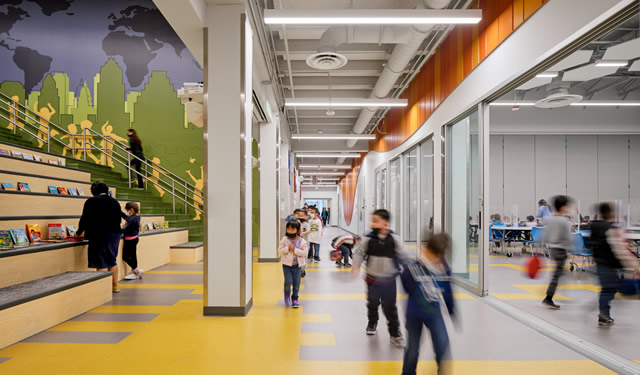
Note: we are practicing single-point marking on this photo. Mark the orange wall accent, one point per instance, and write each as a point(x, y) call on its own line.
point(464, 48)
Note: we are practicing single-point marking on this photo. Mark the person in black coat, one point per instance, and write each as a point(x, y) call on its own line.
point(135, 147)
point(100, 221)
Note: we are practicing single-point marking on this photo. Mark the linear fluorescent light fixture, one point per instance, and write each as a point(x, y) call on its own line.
point(329, 166)
point(323, 173)
point(371, 16)
point(334, 136)
point(610, 63)
point(328, 155)
point(345, 102)
point(511, 104)
point(547, 75)
point(604, 103)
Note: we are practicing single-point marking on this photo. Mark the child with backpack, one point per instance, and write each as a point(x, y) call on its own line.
point(423, 280)
point(293, 250)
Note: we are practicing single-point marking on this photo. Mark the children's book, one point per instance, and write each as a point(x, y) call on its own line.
point(37, 157)
point(156, 225)
point(5, 239)
point(54, 162)
point(8, 186)
point(71, 230)
point(72, 191)
point(62, 191)
point(34, 232)
point(17, 154)
point(144, 227)
point(57, 232)
point(53, 190)
point(110, 193)
point(165, 225)
point(27, 156)
point(23, 186)
point(62, 162)
point(19, 237)
point(4, 152)
point(80, 191)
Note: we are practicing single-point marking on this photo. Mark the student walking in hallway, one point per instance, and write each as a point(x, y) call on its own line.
point(557, 236)
point(293, 250)
point(382, 253)
point(315, 236)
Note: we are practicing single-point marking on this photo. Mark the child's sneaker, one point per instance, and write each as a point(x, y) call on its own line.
point(295, 304)
point(605, 321)
point(115, 289)
point(131, 276)
point(140, 273)
point(287, 301)
point(397, 341)
point(371, 328)
point(550, 304)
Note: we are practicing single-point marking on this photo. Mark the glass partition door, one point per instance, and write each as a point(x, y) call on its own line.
point(426, 190)
point(394, 194)
point(463, 195)
point(410, 198)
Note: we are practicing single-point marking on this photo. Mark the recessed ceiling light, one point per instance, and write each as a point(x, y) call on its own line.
point(323, 173)
point(334, 136)
point(345, 102)
point(610, 63)
point(325, 166)
point(328, 155)
point(512, 104)
point(605, 103)
point(371, 16)
point(547, 75)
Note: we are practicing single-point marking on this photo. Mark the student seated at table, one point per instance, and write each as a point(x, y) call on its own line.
point(585, 223)
point(497, 221)
point(507, 221)
point(531, 222)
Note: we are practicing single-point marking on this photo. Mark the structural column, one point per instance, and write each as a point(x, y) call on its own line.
point(269, 207)
point(227, 171)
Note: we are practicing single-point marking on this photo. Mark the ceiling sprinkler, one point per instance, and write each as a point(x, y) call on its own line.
point(330, 112)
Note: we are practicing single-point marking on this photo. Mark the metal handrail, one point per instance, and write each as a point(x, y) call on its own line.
point(19, 109)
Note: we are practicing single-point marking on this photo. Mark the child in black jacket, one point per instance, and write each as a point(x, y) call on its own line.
point(129, 248)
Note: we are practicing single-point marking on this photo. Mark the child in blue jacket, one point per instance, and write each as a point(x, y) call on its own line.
point(424, 280)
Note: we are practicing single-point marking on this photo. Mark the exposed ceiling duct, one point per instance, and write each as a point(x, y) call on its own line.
point(400, 57)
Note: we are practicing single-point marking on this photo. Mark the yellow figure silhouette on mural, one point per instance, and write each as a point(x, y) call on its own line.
point(197, 201)
point(91, 143)
point(73, 140)
point(107, 131)
point(13, 112)
point(45, 115)
point(155, 176)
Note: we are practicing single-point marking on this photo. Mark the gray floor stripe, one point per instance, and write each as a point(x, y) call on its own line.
point(115, 317)
point(4, 359)
point(594, 352)
point(73, 337)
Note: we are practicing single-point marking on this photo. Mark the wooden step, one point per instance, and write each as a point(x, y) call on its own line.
point(189, 252)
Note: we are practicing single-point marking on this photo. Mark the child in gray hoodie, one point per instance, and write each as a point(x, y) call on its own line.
point(557, 236)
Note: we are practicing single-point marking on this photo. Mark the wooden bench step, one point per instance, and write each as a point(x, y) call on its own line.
point(34, 306)
point(188, 252)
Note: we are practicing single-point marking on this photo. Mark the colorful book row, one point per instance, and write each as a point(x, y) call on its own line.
point(32, 157)
point(19, 237)
point(22, 186)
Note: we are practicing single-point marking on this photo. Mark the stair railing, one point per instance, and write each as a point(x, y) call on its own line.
point(168, 182)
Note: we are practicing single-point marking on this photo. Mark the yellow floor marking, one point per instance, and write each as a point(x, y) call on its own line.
point(518, 268)
point(361, 296)
point(318, 339)
point(197, 288)
point(539, 291)
point(328, 269)
point(173, 273)
point(317, 318)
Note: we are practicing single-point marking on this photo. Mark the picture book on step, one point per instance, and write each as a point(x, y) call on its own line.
point(71, 230)
point(57, 232)
point(5, 239)
point(17, 154)
point(80, 192)
point(72, 191)
point(34, 232)
point(62, 191)
point(37, 157)
point(8, 186)
point(23, 186)
point(27, 156)
point(19, 237)
point(156, 225)
point(4, 152)
point(165, 225)
point(62, 162)
point(53, 190)
point(54, 162)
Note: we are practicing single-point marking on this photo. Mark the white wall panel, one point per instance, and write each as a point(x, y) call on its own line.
point(551, 166)
point(496, 174)
point(613, 168)
point(582, 170)
point(519, 172)
point(634, 177)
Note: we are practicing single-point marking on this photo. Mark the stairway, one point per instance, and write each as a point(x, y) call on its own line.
point(150, 200)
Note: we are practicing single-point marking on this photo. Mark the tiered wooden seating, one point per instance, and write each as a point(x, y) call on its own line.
point(190, 252)
point(30, 267)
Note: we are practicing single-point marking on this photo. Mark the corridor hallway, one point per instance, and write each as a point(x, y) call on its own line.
point(155, 326)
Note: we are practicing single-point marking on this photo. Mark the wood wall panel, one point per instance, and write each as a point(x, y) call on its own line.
point(464, 48)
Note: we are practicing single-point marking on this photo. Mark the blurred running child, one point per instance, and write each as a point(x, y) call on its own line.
point(315, 236)
point(611, 256)
point(292, 249)
point(383, 255)
point(130, 244)
point(424, 280)
point(557, 236)
point(325, 217)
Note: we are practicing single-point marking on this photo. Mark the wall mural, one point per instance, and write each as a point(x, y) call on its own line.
point(106, 66)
